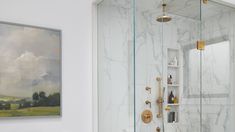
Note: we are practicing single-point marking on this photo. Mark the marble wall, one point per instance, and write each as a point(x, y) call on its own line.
point(116, 90)
point(115, 72)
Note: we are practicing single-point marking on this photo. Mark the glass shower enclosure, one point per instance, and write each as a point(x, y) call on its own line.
point(166, 66)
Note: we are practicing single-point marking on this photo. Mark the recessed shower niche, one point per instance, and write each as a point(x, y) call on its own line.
point(173, 59)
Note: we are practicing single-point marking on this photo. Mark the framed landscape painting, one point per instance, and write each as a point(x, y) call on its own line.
point(30, 71)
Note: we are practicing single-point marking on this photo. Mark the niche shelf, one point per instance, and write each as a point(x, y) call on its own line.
point(175, 104)
point(173, 70)
point(170, 66)
point(173, 85)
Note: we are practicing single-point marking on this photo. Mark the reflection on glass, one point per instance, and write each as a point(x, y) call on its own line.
point(216, 69)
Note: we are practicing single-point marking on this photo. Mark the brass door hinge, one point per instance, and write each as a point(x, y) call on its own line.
point(201, 45)
point(205, 1)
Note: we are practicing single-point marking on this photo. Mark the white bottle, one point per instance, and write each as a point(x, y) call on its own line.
point(175, 61)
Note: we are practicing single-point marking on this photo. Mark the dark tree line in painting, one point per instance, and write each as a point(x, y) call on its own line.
point(40, 99)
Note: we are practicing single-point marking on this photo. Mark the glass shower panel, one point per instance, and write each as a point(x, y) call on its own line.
point(148, 63)
point(167, 64)
point(115, 66)
point(152, 74)
point(218, 22)
point(180, 37)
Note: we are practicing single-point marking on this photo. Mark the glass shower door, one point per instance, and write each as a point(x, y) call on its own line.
point(217, 71)
point(175, 75)
point(115, 66)
point(167, 61)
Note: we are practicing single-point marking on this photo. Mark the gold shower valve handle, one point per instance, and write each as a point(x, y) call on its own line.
point(147, 116)
point(147, 102)
point(148, 89)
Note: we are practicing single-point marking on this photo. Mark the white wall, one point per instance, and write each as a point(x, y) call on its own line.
point(73, 17)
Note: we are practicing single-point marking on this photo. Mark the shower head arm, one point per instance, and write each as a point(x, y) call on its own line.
point(164, 9)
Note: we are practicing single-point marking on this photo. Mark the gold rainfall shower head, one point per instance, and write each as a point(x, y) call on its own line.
point(164, 17)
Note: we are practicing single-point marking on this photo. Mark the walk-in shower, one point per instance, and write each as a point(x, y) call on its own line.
point(166, 66)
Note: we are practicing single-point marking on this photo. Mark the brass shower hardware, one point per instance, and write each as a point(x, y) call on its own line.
point(147, 102)
point(201, 45)
point(205, 1)
point(159, 102)
point(160, 87)
point(147, 116)
point(164, 17)
point(158, 129)
point(160, 98)
point(148, 89)
point(168, 108)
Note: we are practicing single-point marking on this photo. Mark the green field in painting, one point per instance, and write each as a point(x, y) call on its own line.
point(33, 111)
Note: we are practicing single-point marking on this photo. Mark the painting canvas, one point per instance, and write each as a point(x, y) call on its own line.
point(30, 71)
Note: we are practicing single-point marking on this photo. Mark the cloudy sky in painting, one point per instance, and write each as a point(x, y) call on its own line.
point(29, 60)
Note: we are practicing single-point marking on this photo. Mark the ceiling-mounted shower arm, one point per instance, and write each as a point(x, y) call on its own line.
point(164, 8)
